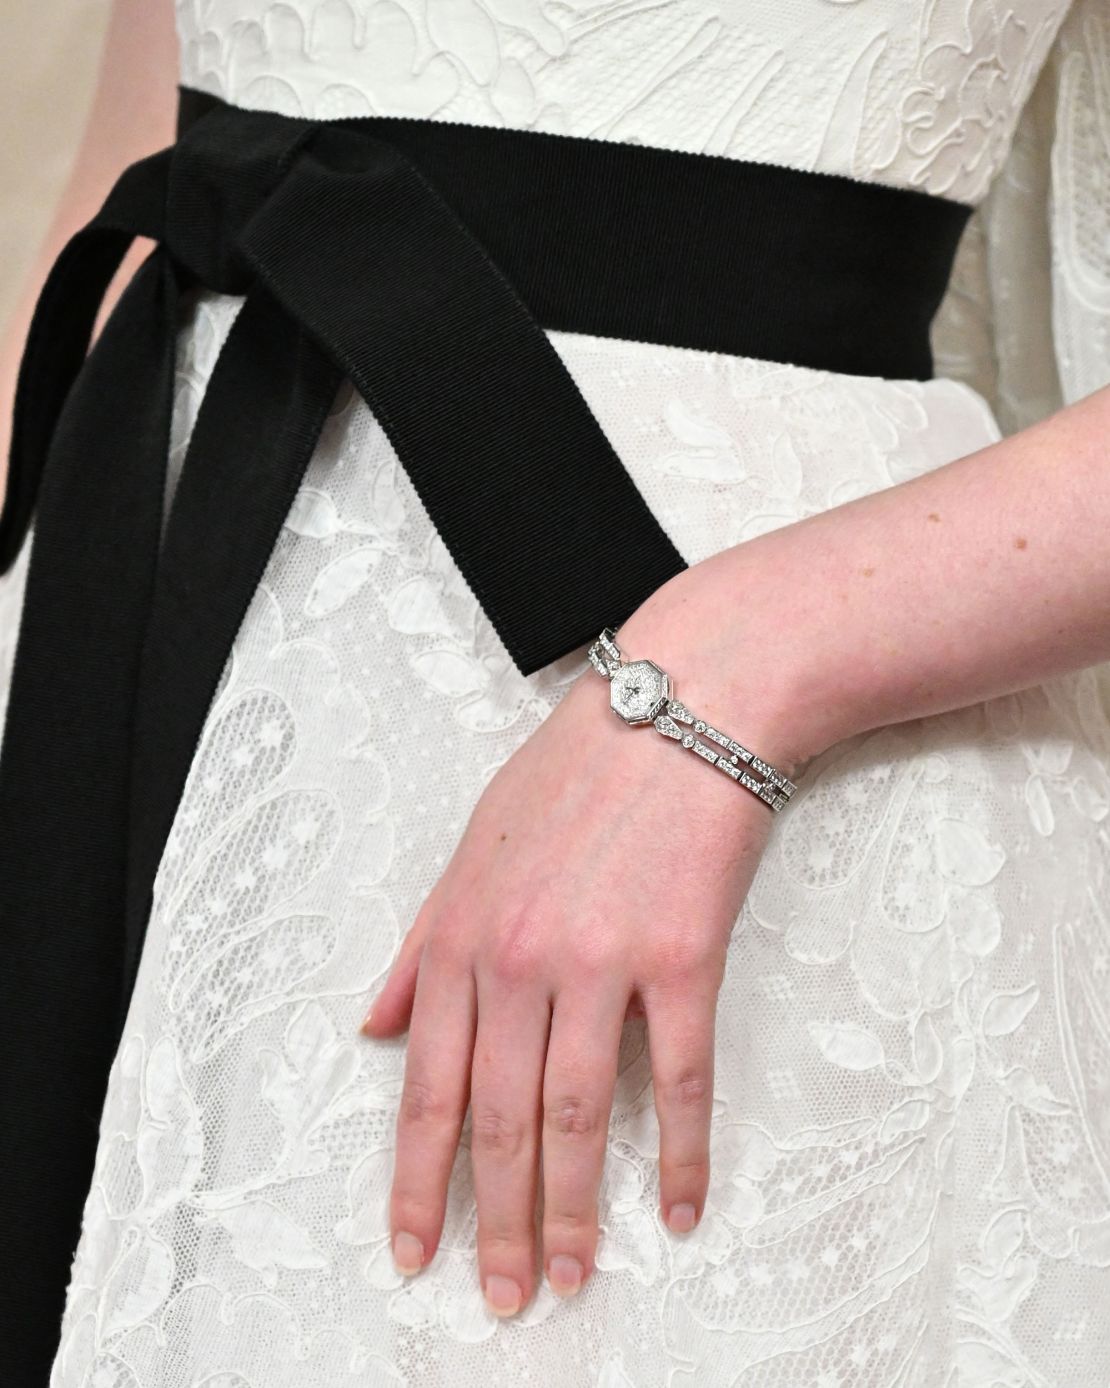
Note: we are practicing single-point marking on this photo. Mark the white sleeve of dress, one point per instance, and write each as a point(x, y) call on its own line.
point(1026, 320)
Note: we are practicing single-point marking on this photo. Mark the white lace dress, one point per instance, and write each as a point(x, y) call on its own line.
point(911, 1132)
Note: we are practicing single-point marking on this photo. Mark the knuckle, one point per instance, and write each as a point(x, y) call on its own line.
point(421, 1217)
point(572, 1115)
point(565, 1226)
point(422, 1105)
point(493, 1134)
point(688, 1089)
point(502, 1238)
point(515, 948)
point(676, 962)
point(690, 1170)
point(446, 946)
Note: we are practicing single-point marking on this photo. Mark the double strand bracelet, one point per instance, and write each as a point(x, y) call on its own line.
point(640, 692)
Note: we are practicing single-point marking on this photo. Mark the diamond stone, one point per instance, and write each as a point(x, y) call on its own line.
point(668, 727)
point(767, 772)
point(638, 691)
point(597, 662)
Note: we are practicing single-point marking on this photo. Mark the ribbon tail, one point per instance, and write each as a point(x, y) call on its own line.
point(63, 806)
point(484, 415)
point(262, 412)
point(60, 331)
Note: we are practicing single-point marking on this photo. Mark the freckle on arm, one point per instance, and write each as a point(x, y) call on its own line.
point(934, 516)
point(1020, 542)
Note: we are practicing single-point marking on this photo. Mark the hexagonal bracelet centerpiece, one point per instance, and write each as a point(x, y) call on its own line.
point(640, 692)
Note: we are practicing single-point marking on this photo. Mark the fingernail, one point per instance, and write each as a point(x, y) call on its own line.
point(369, 1018)
point(565, 1274)
point(681, 1218)
point(408, 1253)
point(503, 1295)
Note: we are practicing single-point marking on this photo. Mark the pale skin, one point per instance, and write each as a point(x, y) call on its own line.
point(602, 869)
point(132, 115)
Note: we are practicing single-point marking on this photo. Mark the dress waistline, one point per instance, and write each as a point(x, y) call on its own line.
point(423, 257)
point(422, 260)
point(660, 245)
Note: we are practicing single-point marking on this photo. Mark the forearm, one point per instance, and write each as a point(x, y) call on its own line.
point(132, 115)
point(979, 578)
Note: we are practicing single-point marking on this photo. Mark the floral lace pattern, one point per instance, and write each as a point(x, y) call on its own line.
point(1027, 317)
point(925, 95)
point(911, 1129)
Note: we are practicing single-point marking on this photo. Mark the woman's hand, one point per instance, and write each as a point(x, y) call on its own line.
point(599, 877)
point(603, 868)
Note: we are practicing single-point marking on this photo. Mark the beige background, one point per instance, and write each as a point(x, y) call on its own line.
point(49, 56)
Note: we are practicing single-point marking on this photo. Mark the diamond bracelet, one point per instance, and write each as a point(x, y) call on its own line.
point(640, 692)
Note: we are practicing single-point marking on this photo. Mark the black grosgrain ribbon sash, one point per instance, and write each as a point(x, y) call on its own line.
point(422, 260)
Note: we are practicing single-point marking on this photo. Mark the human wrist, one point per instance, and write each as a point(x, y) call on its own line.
point(745, 653)
point(730, 662)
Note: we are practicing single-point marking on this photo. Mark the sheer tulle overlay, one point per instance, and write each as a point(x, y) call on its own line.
point(911, 1131)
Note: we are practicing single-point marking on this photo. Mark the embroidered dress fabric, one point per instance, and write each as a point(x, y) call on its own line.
point(911, 1131)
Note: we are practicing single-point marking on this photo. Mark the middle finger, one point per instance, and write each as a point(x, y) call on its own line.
point(505, 1085)
point(579, 1084)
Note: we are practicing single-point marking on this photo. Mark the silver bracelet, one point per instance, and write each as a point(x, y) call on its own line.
point(640, 692)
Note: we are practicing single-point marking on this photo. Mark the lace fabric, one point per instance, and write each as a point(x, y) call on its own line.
point(911, 1133)
point(1027, 317)
point(920, 95)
